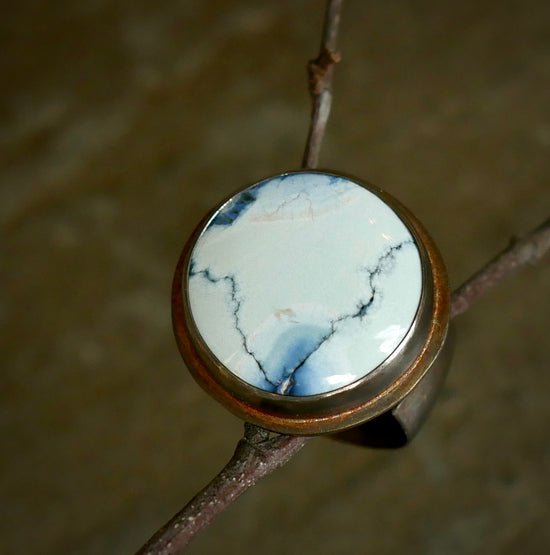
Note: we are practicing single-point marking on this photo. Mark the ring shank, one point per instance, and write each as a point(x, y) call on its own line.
point(398, 426)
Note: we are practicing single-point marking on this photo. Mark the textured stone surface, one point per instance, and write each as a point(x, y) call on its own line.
point(122, 123)
point(304, 283)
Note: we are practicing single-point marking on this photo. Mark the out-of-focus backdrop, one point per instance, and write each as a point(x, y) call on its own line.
point(122, 123)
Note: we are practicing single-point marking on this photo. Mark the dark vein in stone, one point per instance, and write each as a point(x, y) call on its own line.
point(285, 387)
point(237, 303)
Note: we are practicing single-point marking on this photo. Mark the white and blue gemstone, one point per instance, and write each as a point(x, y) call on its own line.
point(304, 283)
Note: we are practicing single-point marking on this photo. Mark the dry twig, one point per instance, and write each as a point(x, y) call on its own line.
point(257, 454)
point(521, 252)
point(261, 452)
point(320, 84)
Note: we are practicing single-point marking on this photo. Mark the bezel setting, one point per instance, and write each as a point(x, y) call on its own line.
point(377, 392)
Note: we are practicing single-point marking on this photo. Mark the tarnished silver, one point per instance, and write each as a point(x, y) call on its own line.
point(393, 399)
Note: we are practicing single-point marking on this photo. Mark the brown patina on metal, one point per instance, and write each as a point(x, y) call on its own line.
point(394, 399)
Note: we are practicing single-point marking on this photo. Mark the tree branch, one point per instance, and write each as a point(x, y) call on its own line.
point(320, 84)
point(261, 452)
point(257, 454)
point(521, 252)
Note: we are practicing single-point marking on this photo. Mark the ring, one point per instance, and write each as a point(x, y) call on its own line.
point(312, 303)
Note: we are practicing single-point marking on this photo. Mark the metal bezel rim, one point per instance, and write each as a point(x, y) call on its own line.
point(342, 408)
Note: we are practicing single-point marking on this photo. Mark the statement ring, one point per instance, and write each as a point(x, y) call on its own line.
point(312, 303)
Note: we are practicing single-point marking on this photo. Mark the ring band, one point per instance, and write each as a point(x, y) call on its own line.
point(312, 303)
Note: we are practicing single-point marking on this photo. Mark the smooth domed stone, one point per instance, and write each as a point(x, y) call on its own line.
point(304, 283)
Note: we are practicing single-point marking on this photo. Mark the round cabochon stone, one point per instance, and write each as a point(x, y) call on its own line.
point(304, 283)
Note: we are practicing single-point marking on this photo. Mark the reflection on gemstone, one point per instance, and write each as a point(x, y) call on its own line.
point(390, 337)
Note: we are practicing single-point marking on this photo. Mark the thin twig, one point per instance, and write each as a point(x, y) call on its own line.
point(260, 452)
point(320, 84)
point(521, 252)
point(257, 454)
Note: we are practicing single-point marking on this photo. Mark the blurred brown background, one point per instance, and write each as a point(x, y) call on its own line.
point(122, 122)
